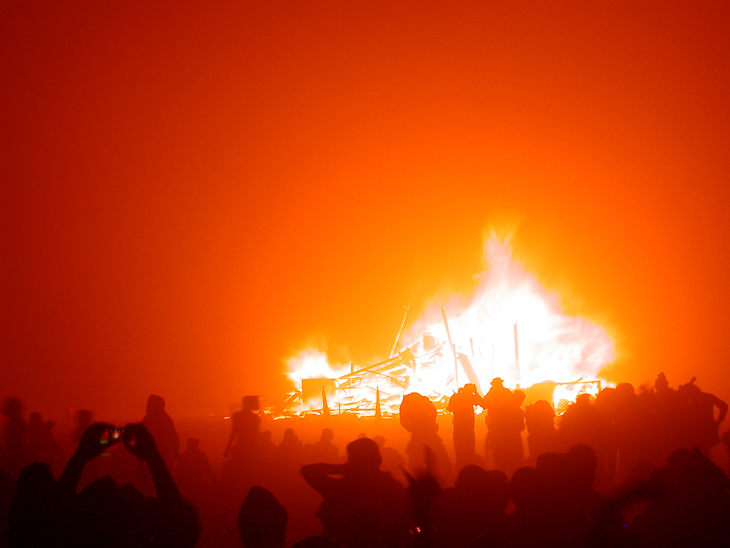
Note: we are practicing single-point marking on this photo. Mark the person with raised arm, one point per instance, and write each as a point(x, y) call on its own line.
point(107, 510)
point(364, 506)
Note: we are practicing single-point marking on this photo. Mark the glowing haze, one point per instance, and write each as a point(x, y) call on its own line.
point(512, 328)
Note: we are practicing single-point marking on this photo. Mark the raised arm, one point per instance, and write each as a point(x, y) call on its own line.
point(139, 442)
point(722, 406)
point(90, 446)
point(318, 475)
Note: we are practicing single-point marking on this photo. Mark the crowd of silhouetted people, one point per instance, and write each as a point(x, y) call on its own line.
point(618, 469)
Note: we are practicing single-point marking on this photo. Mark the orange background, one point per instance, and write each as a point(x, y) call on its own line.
point(193, 192)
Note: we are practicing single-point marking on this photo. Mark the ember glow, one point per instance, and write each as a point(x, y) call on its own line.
point(512, 328)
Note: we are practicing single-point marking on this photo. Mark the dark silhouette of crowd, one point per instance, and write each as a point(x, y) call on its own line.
point(619, 468)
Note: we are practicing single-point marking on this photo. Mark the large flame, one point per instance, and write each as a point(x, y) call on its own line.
point(512, 328)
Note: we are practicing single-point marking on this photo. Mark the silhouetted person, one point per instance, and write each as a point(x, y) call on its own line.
point(239, 473)
point(290, 451)
point(701, 416)
point(633, 422)
point(461, 406)
point(266, 447)
point(505, 423)
point(48, 513)
point(245, 428)
point(193, 472)
point(35, 515)
point(323, 450)
point(288, 459)
point(542, 436)
point(418, 416)
point(689, 504)
point(424, 492)
point(13, 436)
point(531, 523)
point(363, 507)
point(280, 472)
point(96, 468)
point(589, 510)
point(160, 425)
point(556, 475)
point(607, 451)
point(262, 520)
point(498, 396)
point(474, 508)
point(42, 446)
point(669, 419)
point(392, 460)
point(580, 424)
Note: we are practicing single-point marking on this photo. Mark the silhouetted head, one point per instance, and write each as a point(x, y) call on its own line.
point(497, 491)
point(193, 444)
point(363, 454)
point(327, 435)
point(13, 407)
point(290, 435)
point(250, 403)
point(608, 394)
point(625, 390)
point(261, 519)
point(583, 399)
point(113, 515)
point(489, 488)
point(469, 388)
point(471, 477)
point(155, 404)
point(661, 382)
point(681, 458)
point(35, 480)
point(36, 417)
point(496, 381)
point(105, 505)
point(527, 488)
point(542, 408)
point(518, 396)
point(380, 440)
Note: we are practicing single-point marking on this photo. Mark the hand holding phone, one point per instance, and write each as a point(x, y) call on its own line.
point(115, 434)
point(94, 441)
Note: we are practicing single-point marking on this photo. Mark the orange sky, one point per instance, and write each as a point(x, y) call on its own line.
point(192, 191)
